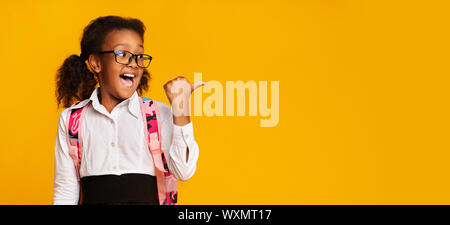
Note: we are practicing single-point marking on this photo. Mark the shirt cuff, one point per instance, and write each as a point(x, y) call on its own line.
point(183, 135)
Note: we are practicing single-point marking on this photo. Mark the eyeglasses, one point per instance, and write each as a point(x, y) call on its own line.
point(125, 57)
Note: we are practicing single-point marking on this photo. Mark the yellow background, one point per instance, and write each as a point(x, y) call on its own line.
point(364, 110)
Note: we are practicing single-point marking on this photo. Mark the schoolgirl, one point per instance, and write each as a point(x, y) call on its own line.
point(115, 165)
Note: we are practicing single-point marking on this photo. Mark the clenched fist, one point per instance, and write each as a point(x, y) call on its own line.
point(178, 91)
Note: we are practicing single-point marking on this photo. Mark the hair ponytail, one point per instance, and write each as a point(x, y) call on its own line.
point(75, 81)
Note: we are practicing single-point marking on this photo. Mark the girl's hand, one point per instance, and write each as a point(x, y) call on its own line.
point(178, 91)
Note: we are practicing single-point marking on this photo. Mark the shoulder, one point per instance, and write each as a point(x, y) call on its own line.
point(165, 112)
point(164, 109)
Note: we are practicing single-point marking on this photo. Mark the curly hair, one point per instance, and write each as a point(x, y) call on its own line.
point(74, 80)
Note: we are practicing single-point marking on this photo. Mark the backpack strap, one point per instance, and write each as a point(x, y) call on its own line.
point(73, 133)
point(167, 184)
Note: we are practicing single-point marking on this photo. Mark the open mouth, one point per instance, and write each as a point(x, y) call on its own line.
point(127, 79)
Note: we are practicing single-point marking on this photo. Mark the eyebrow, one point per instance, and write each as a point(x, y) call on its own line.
point(140, 46)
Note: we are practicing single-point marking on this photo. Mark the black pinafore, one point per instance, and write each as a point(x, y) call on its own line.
point(125, 189)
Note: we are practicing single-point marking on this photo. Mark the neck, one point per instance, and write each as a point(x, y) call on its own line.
point(107, 100)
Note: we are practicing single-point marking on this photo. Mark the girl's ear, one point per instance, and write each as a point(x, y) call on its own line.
point(94, 63)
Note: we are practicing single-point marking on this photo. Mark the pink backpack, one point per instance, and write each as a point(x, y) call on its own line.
point(167, 183)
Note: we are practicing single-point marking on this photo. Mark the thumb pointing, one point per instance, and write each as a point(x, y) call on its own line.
point(197, 85)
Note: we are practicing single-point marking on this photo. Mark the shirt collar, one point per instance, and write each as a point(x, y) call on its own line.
point(132, 102)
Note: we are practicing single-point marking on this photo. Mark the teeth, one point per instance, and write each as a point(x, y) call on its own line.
point(128, 75)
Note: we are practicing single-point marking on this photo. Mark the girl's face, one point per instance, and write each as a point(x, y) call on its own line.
point(116, 79)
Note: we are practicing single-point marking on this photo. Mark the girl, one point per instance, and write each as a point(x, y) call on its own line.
point(116, 165)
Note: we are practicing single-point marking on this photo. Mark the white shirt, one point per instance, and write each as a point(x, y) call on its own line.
point(114, 143)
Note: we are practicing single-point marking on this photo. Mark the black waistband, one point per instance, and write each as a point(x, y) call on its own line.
point(119, 189)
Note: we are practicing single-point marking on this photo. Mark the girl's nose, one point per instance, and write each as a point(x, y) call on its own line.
point(132, 62)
